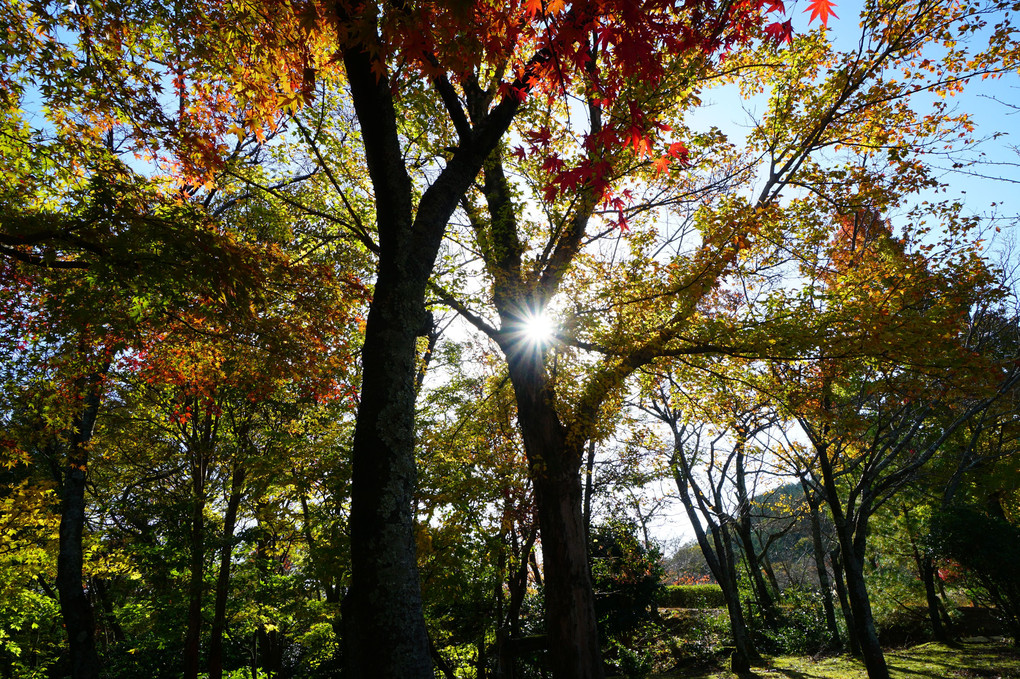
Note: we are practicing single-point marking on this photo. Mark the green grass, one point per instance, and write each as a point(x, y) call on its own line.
point(968, 660)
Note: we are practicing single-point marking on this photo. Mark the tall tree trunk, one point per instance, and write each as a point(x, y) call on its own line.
point(717, 551)
point(219, 622)
point(864, 621)
point(555, 468)
point(385, 636)
point(939, 623)
point(554, 451)
point(384, 625)
point(569, 600)
point(196, 568)
point(75, 608)
point(746, 652)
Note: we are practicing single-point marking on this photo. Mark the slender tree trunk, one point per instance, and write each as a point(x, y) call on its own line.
point(940, 631)
point(441, 663)
point(823, 574)
point(925, 571)
point(482, 659)
point(720, 562)
point(823, 582)
point(510, 619)
point(746, 652)
point(219, 622)
point(844, 603)
point(589, 482)
point(852, 533)
point(267, 648)
point(852, 544)
point(75, 608)
point(718, 555)
point(864, 622)
point(518, 583)
point(253, 668)
point(504, 582)
point(536, 572)
point(196, 567)
point(943, 599)
point(746, 535)
point(770, 571)
point(109, 618)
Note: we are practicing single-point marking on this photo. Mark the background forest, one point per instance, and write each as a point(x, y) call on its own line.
point(514, 339)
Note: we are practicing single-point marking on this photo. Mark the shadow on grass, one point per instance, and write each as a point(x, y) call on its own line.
point(793, 674)
point(936, 671)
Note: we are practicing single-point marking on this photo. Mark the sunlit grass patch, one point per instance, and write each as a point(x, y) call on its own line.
point(968, 660)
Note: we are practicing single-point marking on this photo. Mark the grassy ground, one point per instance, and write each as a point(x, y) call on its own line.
point(969, 660)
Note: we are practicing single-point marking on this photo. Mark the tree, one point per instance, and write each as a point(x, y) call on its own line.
point(464, 56)
point(696, 444)
point(873, 423)
point(575, 185)
point(82, 87)
point(863, 167)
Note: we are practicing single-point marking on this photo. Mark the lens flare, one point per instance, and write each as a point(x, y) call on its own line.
point(538, 328)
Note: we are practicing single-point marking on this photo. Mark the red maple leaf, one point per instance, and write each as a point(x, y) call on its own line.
point(821, 9)
point(780, 32)
point(679, 151)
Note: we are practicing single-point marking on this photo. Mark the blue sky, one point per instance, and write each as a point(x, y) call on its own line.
point(995, 178)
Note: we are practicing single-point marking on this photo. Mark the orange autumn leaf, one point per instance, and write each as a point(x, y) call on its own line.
point(821, 10)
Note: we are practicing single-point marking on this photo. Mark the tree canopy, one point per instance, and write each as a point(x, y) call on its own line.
point(273, 400)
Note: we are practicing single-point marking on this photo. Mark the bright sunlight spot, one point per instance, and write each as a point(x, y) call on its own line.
point(538, 328)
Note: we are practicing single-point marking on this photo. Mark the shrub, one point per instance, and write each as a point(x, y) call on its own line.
point(626, 576)
point(692, 596)
point(633, 664)
point(698, 637)
point(802, 629)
